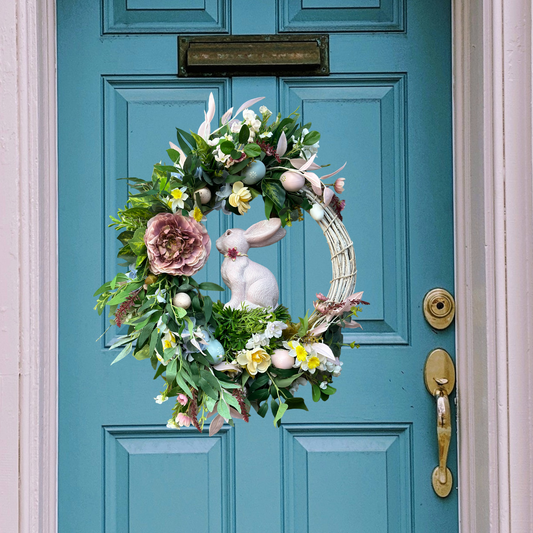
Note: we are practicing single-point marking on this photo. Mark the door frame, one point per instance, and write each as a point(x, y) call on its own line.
point(493, 148)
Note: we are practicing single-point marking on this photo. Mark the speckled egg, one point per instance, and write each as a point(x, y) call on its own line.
point(253, 173)
point(292, 181)
point(282, 359)
point(215, 352)
point(317, 212)
point(182, 299)
point(205, 195)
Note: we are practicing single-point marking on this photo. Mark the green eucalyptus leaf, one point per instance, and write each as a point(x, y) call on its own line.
point(235, 169)
point(231, 400)
point(204, 385)
point(285, 382)
point(296, 403)
point(212, 380)
point(316, 392)
point(227, 147)
point(181, 382)
point(244, 134)
point(208, 286)
point(143, 353)
point(269, 204)
point(173, 154)
point(223, 409)
point(252, 150)
point(171, 372)
point(281, 411)
point(262, 411)
point(127, 349)
point(311, 138)
point(259, 381)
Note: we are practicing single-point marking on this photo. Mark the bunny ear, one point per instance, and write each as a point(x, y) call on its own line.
point(264, 233)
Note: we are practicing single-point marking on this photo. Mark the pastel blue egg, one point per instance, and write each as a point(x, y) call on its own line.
point(253, 173)
point(216, 352)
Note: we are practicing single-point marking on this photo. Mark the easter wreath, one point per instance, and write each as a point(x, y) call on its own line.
point(218, 359)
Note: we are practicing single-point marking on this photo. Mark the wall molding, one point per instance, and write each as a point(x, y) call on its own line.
point(493, 136)
point(28, 284)
point(494, 264)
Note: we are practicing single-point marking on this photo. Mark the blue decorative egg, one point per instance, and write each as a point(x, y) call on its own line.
point(253, 173)
point(216, 352)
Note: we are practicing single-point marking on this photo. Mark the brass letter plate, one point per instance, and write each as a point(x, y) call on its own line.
point(253, 55)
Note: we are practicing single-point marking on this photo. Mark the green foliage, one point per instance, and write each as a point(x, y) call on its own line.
point(236, 326)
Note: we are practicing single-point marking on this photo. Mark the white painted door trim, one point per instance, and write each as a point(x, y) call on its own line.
point(493, 134)
point(28, 267)
point(493, 90)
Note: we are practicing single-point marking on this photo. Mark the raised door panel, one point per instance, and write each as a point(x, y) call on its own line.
point(371, 469)
point(165, 16)
point(362, 122)
point(155, 478)
point(341, 15)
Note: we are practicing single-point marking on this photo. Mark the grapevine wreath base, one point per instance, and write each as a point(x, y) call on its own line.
point(220, 360)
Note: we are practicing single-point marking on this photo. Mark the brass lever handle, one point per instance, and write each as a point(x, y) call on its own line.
point(439, 375)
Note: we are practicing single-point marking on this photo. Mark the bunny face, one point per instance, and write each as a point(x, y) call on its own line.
point(232, 238)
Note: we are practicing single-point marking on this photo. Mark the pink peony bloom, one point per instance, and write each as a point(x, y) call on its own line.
point(339, 185)
point(183, 420)
point(176, 245)
point(182, 399)
point(321, 297)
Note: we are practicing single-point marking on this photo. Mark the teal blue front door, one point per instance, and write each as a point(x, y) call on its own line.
point(361, 462)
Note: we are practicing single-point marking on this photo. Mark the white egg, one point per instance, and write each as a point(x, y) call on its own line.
point(205, 195)
point(182, 299)
point(253, 173)
point(317, 212)
point(282, 359)
point(292, 181)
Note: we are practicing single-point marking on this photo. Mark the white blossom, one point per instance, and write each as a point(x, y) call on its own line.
point(323, 385)
point(160, 399)
point(171, 424)
point(251, 120)
point(275, 329)
point(235, 127)
point(258, 340)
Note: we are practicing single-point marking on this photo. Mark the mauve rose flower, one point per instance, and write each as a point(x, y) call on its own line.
point(176, 245)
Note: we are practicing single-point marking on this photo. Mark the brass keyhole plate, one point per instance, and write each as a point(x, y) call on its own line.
point(439, 308)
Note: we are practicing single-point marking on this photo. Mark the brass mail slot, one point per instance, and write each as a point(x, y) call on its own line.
point(254, 55)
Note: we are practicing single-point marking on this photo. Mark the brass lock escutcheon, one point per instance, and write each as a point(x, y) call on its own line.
point(439, 308)
point(439, 376)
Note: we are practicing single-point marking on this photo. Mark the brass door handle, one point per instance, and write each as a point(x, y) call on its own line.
point(439, 376)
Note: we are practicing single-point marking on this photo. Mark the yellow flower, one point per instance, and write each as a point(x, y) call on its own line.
point(197, 214)
point(240, 197)
point(177, 198)
point(256, 360)
point(301, 354)
point(313, 362)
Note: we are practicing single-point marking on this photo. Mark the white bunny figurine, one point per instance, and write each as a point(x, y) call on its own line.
point(250, 283)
